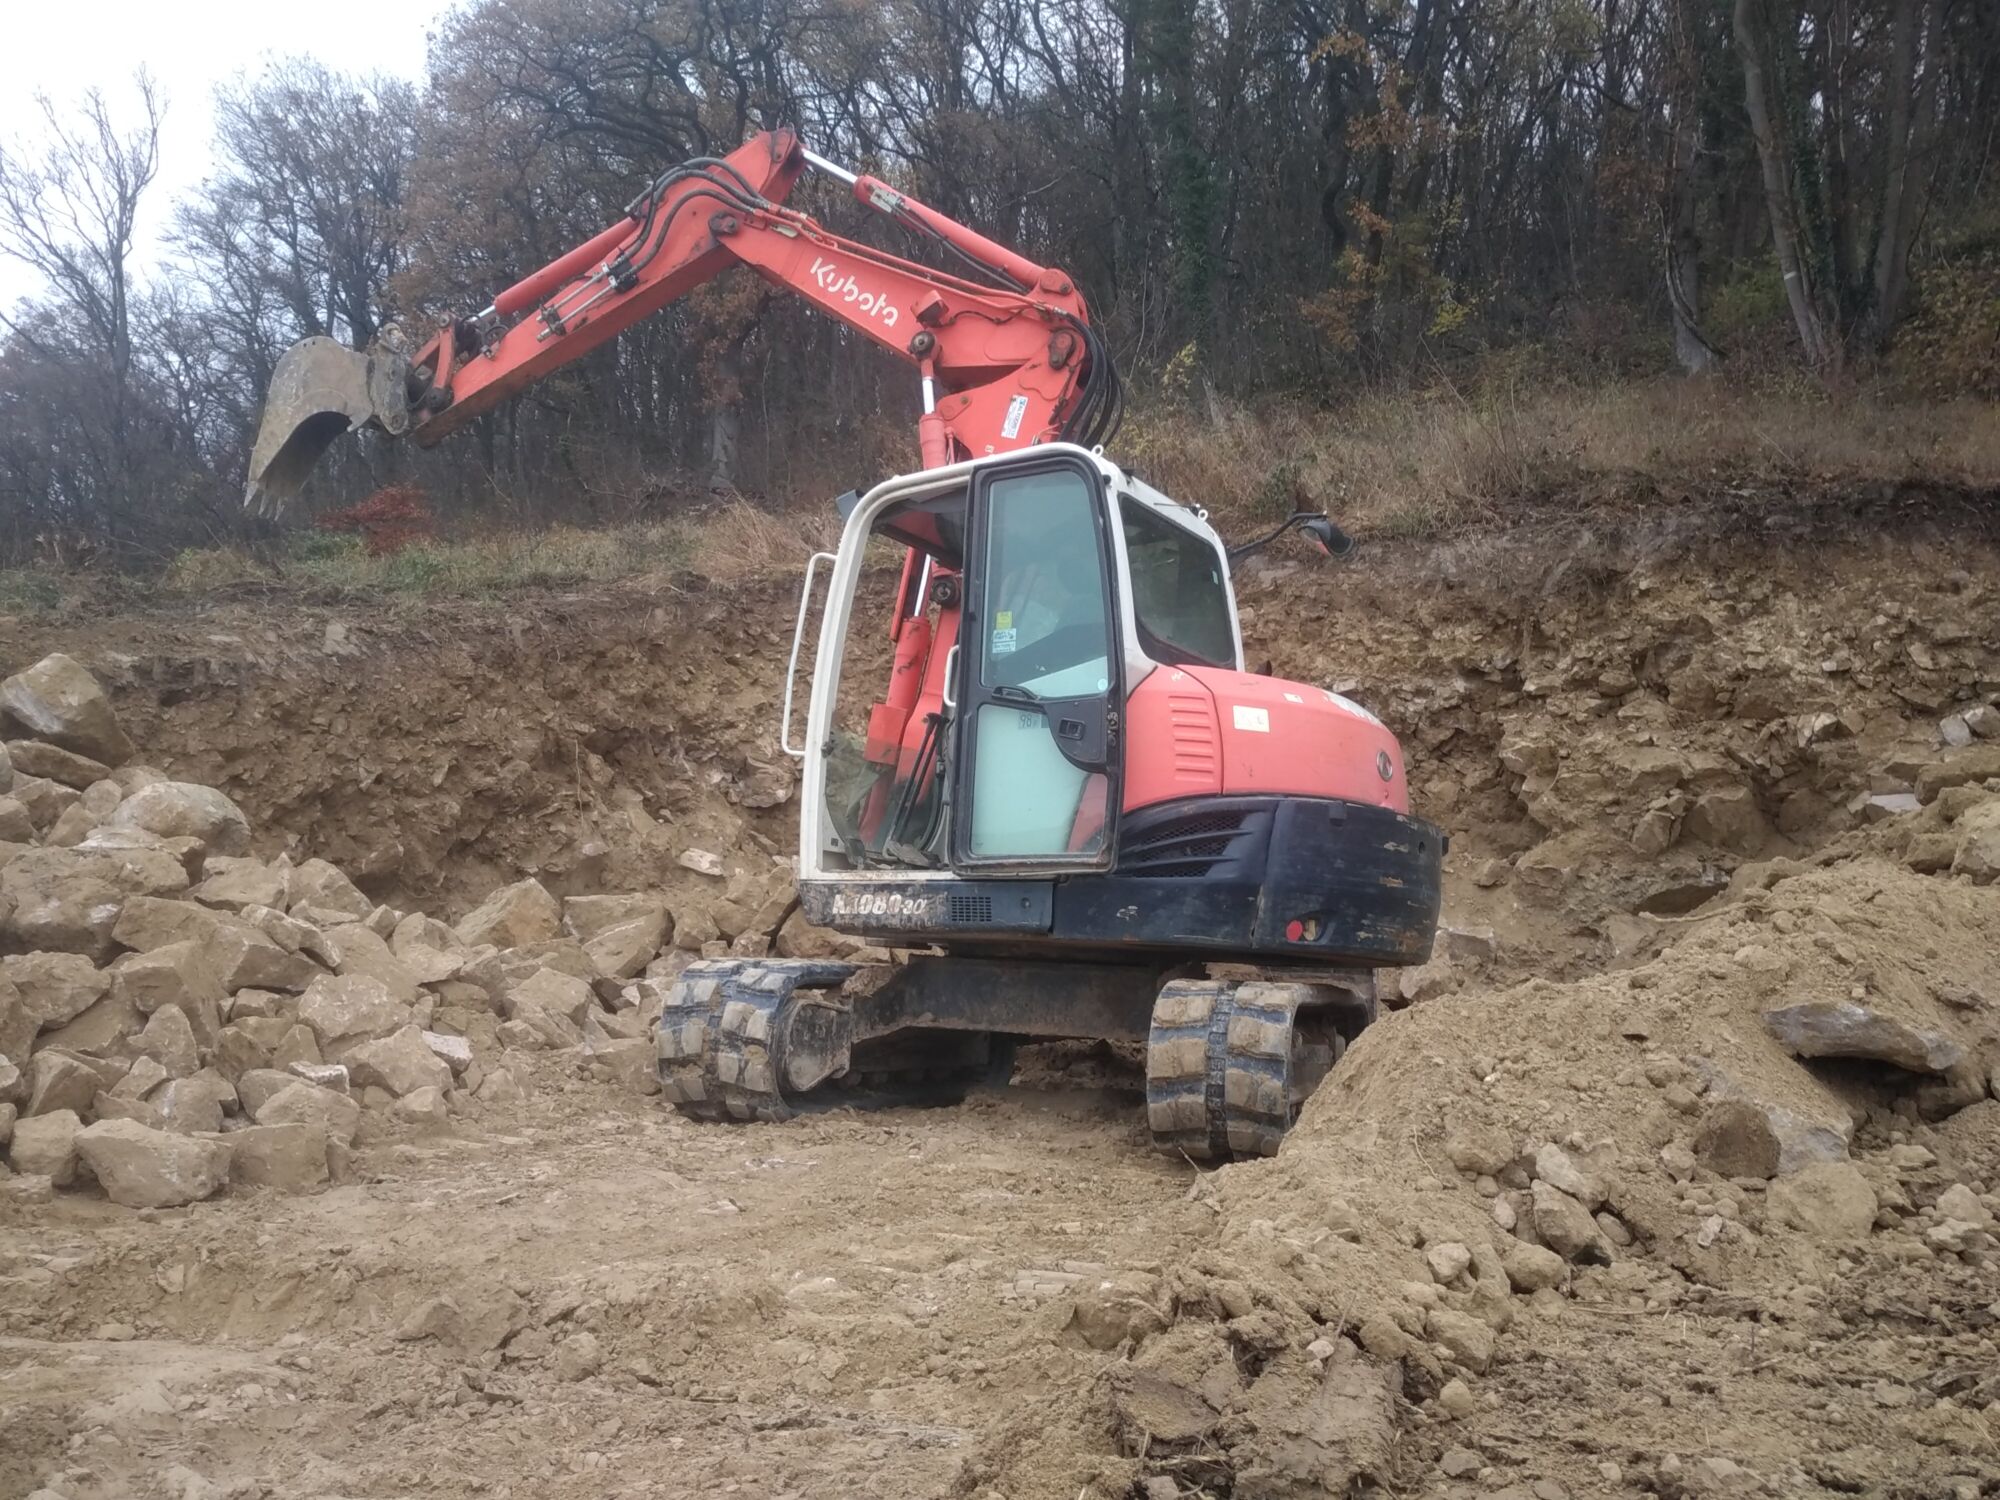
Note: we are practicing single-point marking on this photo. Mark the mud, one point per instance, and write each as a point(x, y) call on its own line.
point(1654, 758)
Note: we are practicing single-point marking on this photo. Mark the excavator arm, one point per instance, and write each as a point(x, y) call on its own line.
point(1005, 352)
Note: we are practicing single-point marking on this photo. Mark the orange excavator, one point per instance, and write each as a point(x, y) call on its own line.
point(1072, 813)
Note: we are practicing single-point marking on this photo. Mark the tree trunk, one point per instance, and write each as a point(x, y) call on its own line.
point(1695, 354)
point(1820, 349)
point(1908, 131)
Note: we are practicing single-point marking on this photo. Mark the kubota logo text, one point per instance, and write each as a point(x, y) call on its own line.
point(838, 283)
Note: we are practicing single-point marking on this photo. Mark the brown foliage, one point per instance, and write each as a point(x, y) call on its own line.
point(389, 520)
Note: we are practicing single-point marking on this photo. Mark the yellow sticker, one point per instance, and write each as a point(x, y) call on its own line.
point(1003, 619)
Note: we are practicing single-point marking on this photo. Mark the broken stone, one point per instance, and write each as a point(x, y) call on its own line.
point(512, 917)
point(181, 809)
point(52, 762)
point(1983, 720)
point(45, 1145)
point(58, 701)
point(423, 1107)
point(1531, 1268)
point(1565, 1225)
point(243, 958)
point(288, 932)
point(17, 825)
point(476, 1321)
point(1471, 1340)
point(354, 949)
point(324, 887)
point(587, 917)
point(237, 883)
point(1460, 1463)
point(290, 1157)
point(70, 900)
point(168, 1039)
point(57, 987)
point(1977, 853)
point(578, 1357)
point(1559, 1169)
point(1847, 1028)
point(1828, 1200)
point(149, 923)
point(58, 1081)
point(176, 974)
point(140, 1079)
point(623, 951)
point(145, 1168)
point(257, 1086)
point(194, 1104)
point(301, 1102)
point(1954, 732)
point(350, 1007)
point(1730, 818)
point(322, 1075)
point(1735, 1139)
point(400, 1064)
point(1447, 1261)
point(296, 1048)
point(702, 862)
point(1976, 763)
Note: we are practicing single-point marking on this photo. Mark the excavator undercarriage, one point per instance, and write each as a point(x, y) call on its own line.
point(1229, 1060)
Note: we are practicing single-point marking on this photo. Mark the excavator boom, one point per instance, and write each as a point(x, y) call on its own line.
point(1006, 352)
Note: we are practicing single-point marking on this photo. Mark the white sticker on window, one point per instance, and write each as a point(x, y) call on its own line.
point(1256, 720)
point(1003, 642)
point(1016, 409)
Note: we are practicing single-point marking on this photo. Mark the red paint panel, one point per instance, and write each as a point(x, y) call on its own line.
point(1173, 747)
point(1195, 731)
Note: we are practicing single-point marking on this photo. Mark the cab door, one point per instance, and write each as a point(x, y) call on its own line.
point(1037, 745)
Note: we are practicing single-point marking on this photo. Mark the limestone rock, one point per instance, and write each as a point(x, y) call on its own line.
point(1735, 1139)
point(148, 922)
point(243, 958)
point(182, 809)
point(290, 1157)
point(455, 1052)
point(176, 974)
point(1983, 719)
point(45, 1145)
point(351, 1007)
point(145, 1168)
point(1559, 1169)
point(512, 917)
point(52, 762)
point(578, 1357)
point(585, 917)
point(1828, 1200)
point(57, 987)
point(58, 1081)
point(400, 1063)
point(258, 1086)
point(623, 951)
point(301, 1102)
point(194, 1104)
point(1959, 1202)
point(1977, 853)
point(168, 1039)
point(1448, 1260)
point(551, 991)
point(17, 825)
point(1729, 818)
point(70, 900)
point(633, 1062)
point(355, 950)
point(1470, 1340)
point(236, 883)
point(58, 701)
point(1531, 1268)
point(1979, 762)
point(317, 884)
point(1848, 1028)
point(1565, 1225)
point(424, 1107)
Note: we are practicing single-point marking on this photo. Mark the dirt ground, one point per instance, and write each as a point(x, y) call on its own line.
point(1654, 744)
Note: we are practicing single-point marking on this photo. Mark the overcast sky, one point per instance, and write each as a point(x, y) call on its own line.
point(64, 48)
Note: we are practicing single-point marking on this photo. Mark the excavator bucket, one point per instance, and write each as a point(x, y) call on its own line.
point(320, 390)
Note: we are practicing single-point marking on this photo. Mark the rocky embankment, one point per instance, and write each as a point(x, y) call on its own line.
point(178, 1016)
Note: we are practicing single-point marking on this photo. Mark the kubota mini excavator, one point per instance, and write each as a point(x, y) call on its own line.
point(1071, 800)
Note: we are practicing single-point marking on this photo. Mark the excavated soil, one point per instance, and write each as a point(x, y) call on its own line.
point(1654, 743)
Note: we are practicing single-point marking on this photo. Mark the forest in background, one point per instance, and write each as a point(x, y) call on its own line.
point(1278, 209)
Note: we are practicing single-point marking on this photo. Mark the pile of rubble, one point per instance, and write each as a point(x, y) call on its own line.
point(177, 1015)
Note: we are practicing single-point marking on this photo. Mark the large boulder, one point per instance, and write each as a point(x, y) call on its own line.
point(176, 974)
point(354, 949)
point(512, 917)
point(58, 701)
point(70, 900)
point(1850, 1028)
point(39, 758)
point(45, 1146)
point(290, 1156)
point(145, 1168)
point(182, 809)
point(304, 1103)
point(58, 987)
point(236, 883)
point(401, 1063)
point(351, 1008)
point(59, 1081)
point(327, 891)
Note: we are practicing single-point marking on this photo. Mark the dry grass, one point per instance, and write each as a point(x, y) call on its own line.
point(1431, 464)
point(738, 540)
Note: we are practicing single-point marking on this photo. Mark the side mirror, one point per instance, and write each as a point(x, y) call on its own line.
point(1328, 537)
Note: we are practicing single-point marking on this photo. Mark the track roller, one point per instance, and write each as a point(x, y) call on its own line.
point(1229, 1064)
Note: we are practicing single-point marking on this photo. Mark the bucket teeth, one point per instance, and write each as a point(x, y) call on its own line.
point(320, 390)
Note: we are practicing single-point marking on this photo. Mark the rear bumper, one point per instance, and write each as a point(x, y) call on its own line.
point(1271, 879)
